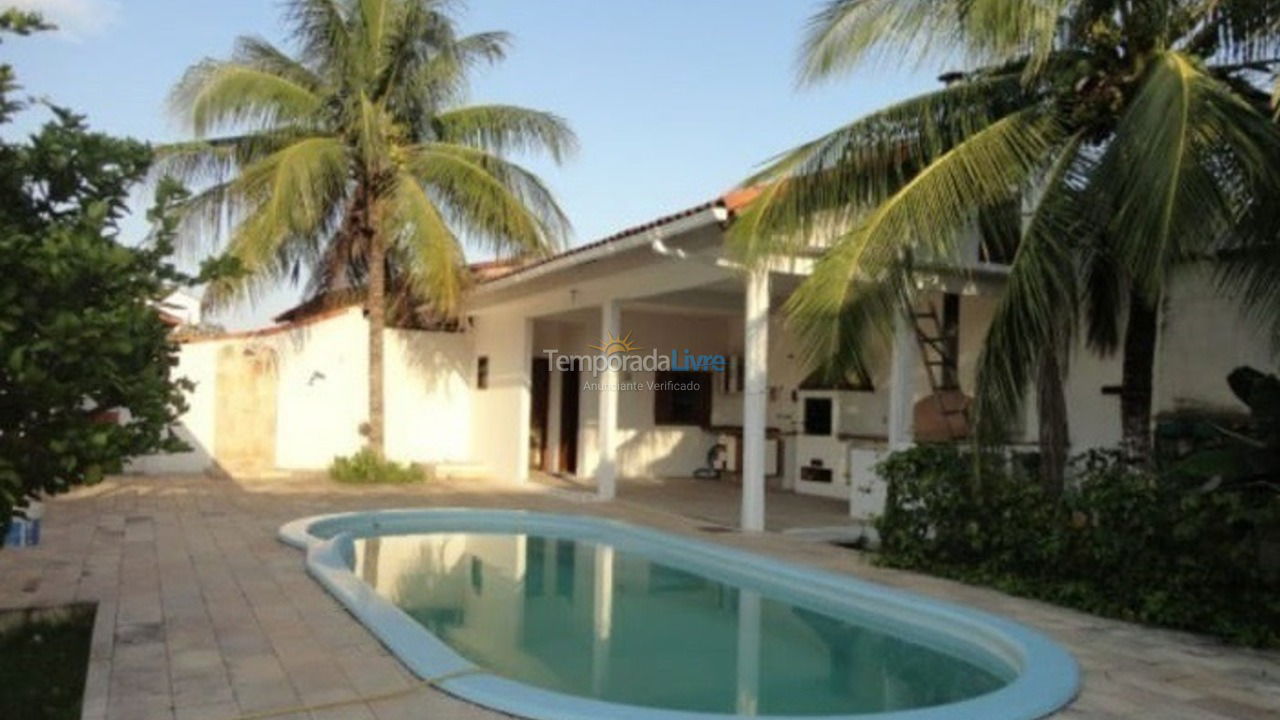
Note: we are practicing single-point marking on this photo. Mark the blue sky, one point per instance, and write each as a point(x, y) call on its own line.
point(674, 101)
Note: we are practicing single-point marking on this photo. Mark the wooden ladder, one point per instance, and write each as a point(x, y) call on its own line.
point(939, 350)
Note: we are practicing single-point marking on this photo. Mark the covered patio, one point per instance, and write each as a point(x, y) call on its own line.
point(756, 419)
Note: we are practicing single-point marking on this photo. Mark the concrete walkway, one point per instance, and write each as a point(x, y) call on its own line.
point(202, 614)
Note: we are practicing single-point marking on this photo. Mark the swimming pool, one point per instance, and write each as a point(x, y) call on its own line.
point(567, 617)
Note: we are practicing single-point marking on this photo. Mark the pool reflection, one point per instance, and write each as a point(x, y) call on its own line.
point(587, 620)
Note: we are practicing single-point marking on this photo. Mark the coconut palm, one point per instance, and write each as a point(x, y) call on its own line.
point(354, 163)
point(1135, 133)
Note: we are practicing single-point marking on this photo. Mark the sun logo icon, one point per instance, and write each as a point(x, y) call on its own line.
point(616, 346)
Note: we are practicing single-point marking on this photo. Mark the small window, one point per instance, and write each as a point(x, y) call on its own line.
point(818, 417)
point(682, 399)
point(482, 373)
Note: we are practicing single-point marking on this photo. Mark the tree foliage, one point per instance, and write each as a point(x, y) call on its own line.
point(1139, 133)
point(79, 332)
point(363, 124)
point(354, 162)
point(1155, 548)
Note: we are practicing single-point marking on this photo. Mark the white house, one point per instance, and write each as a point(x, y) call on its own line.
point(511, 391)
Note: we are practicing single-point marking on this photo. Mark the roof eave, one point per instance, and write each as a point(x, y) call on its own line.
point(714, 213)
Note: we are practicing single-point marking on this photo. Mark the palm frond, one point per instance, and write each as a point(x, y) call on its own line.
point(216, 95)
point(1037, 312)
point(213, 160)
point(847, 32)
point(320, 29)
point(373, 131)
point(481, 48)
point(1250, 276)
point(431, 257)
point(494, 201)
point(255, 52)
point(825, 184)
point(851, 338)
point(1174, 166)
point(923, 219)
point(287, 195)
point(1005, 29)
point(507, 128)
point(1106, 297)
point(1240, 31)
point(376, 22)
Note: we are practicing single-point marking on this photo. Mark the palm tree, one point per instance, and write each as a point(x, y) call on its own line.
point(1135, 132)
point(355, 164)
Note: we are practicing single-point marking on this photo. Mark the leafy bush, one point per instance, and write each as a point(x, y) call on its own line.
point(367, 468)
point(1120, 542)
point(85, 361)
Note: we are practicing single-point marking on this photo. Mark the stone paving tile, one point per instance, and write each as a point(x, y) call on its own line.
point(203, 615)
point(218, 711)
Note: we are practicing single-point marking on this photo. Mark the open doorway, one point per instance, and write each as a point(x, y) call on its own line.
point(570, 400)
point(539, 423)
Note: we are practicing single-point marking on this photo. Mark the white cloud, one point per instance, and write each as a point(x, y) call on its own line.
point(76, 19)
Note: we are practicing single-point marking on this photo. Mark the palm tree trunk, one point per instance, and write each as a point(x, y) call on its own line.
point(1051, 404)
point(377, 311)
point(1136, 383)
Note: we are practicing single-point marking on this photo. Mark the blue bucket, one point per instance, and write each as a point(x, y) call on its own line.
point(22, 533)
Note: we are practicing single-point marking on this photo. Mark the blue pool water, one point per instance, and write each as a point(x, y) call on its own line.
point(571, 617)
point(584, 618)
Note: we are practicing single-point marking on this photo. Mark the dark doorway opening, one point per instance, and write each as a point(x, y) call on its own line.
point(539, 423)
point(570, 400)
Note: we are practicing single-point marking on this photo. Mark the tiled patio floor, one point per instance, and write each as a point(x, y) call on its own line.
point(203, 614)
point(716, 502)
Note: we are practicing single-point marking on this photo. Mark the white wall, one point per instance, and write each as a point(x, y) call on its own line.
point(1204, 338)
point(428, 396)
point(500, 414)
point(435, 415)
point(322, 396)
point(1093, 418)
point(323, 392)
point(197, 362)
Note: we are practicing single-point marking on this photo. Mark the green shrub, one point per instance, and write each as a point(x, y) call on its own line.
point(1120, 542)
point(366, 468)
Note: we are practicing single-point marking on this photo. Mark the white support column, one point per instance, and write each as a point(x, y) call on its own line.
point(902, 380)
point(607, 430)
point(755, 400)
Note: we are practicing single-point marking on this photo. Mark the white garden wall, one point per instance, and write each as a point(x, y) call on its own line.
point(198, 363)
point(323, 391)
point(500, 413)
point(322, 395)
